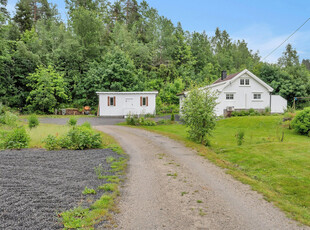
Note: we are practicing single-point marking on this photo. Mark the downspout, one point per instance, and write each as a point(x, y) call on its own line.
point(270, 101)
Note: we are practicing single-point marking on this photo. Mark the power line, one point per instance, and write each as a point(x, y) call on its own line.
point(286, 39)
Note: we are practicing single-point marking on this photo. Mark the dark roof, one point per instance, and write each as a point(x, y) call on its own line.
point(229, 77)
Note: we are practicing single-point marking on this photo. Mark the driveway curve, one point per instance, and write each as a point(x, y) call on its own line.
point(169, 186)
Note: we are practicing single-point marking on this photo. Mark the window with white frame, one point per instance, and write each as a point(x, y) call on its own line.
point(244, 81)
point(229, 96)
point(257, 96)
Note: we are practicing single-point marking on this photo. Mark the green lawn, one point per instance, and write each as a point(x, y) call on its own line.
point(279, 170)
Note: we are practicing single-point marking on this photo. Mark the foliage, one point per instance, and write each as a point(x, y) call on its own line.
point(121, 46)
point(301, 122)
point(198, 114)
point(88, 191)
point(33, 121)
point(51, 143)
point(137, 121)
point(8, 118)
point(48, 90)
point(72, 121)
point(172, 118)
point(240, 137)
point(78, 138)
point(16, 139)
point(81, 137)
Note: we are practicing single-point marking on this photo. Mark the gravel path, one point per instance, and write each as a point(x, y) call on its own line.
point(170, 187)
point(35, 185)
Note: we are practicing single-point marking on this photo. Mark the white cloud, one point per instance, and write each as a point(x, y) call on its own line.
point(263, 39)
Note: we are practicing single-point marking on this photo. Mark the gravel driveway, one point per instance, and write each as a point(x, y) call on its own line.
point(170, 187)
point(35, 185)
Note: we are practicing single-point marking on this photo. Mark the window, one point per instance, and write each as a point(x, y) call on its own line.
point(245, 81)
point(229, 96)
point(257, 96)
point(111, 101)
point(144, 101)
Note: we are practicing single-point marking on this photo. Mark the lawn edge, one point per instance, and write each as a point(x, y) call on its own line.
point(105, 207)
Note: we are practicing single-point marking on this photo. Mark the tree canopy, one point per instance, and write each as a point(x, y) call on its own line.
point(124, 45)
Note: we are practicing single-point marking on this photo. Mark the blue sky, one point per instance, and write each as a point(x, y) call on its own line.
point(263, 24)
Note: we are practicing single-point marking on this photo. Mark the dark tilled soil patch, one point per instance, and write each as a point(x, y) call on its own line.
point(35, 185)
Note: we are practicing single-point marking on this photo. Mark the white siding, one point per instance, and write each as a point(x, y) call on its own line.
point(278, 104)
point(243, 96)
point(126, 103)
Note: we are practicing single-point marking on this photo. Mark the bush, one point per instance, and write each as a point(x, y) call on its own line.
point(33, 121)
point(16, 139)
point(301, 122)
point(172, 117)
point(72, 121)
point(81, 138)
point(198, 114)
point(51, 143)
point(240, 137)
point(86, 125)
point(134, 120)
point(9, 119)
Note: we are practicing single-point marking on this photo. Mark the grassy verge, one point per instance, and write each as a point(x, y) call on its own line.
point(100, 210)
point(57, 116)
point(279, 170)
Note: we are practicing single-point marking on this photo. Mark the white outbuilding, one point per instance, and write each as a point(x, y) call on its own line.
point(243, 91)
point(124, 103)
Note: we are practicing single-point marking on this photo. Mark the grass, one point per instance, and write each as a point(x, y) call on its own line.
point(42, 131)
point(279, 170)
point(89, 191)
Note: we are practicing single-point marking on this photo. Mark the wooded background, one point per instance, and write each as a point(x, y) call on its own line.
point(46, 63)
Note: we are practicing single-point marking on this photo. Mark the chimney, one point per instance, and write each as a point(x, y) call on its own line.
point(224, 75)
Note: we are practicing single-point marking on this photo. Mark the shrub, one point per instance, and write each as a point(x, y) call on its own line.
point(301, 122)
point(86, 125)
point(240, 137)
point(198, 113)
point(134, 120)
point(16, 139)
point(72, 121)
point(172, 117)
point(81, 138)
point(33, 121)
point(51, 143)
point(9, 119)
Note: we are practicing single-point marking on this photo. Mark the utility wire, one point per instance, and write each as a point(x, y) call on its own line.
point(286, 39)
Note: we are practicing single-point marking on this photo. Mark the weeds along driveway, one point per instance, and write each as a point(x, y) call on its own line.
point(35, 185)
point(170, 187)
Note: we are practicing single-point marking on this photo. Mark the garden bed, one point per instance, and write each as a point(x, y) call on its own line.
point(36, 185)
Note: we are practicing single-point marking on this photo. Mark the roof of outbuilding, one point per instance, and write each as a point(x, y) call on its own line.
point(229, 77)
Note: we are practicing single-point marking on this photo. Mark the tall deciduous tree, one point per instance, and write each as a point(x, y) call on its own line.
point(48, 90)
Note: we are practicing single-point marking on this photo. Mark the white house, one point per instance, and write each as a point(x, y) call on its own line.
point(243, 91)
point(124, 103)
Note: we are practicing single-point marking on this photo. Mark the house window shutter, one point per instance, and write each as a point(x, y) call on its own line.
point(108, 101)
point(147, 101)
point(114, 101)
point(141, 101)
